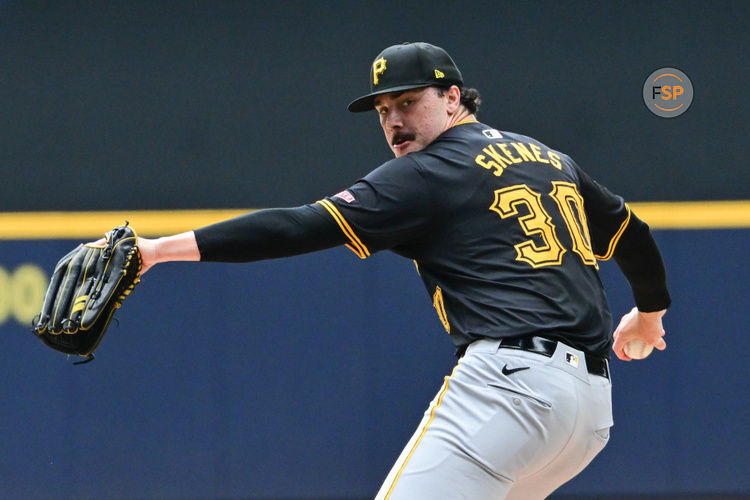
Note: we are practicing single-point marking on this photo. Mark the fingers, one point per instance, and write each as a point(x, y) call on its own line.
point(618, 349)
point(100, 243)
point(637, 325)
point(622, 356)
point(51, 296)
point(618, 343)
point(66, 293)
point(660, 344)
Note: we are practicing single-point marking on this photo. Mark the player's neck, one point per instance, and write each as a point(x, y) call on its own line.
point(463, 115)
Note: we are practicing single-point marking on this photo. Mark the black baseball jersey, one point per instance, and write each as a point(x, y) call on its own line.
point(505, 233)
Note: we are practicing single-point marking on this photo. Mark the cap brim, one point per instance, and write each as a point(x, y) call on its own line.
point(367, 102)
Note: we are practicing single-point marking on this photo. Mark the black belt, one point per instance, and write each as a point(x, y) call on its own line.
point(546, 347)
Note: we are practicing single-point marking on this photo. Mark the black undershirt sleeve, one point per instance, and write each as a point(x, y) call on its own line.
point(640, 261)
point(269, 234)
point(635, 252)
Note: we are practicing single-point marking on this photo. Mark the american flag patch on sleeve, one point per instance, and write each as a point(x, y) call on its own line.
point(345, 195)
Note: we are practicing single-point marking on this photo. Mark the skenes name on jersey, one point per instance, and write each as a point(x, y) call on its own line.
point(502, 155)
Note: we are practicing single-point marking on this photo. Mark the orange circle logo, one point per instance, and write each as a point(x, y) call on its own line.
point(668, 92)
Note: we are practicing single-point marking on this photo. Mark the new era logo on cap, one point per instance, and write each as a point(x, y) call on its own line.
point(408, 66)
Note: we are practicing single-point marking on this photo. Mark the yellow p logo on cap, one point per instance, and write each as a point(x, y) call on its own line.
point(378, 67)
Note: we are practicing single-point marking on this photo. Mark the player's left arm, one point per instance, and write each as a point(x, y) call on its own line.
point(389, 207)
point(378, 211)
point(265, 234)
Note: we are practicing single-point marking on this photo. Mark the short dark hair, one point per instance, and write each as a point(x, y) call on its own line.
point(470, 98)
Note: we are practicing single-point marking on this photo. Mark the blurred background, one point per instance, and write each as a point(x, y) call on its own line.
point(303, 378)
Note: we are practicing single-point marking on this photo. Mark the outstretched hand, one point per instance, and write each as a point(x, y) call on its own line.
point(637, 325)
point(146, 247)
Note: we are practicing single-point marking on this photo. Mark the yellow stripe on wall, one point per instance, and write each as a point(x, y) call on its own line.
point(84, 225)
point(88, 225)
point(694, 214)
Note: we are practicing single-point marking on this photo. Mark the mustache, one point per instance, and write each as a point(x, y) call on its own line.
point(400, 137)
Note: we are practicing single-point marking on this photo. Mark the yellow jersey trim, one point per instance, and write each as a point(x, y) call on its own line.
point(438, 302)
point(355, 245)
point(730, 214)
point(616, 237)
point(424, 430)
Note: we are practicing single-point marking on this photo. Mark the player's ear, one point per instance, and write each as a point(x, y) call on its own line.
point(453, 96)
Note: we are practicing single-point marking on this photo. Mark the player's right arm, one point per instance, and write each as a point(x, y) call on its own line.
point(617, 232)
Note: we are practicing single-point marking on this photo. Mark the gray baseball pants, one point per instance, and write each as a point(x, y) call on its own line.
point(495, 433)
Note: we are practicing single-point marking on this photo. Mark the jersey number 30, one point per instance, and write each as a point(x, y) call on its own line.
point(538, 222)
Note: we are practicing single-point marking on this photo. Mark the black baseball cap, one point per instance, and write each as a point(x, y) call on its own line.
point(408, 66)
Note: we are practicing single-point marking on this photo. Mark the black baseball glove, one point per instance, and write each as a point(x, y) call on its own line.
point(86, 288)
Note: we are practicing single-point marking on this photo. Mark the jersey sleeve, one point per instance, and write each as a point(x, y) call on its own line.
point(268, 234)
point(387, 208)
point(608, 215)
